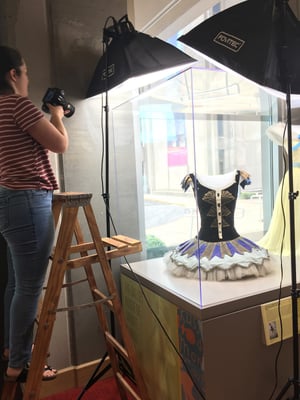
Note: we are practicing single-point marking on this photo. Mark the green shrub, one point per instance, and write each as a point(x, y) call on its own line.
point(155, 247)
point(245, 195)
point(153, 241)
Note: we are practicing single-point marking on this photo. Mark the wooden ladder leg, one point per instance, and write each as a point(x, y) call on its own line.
point(50, 303)
point(114, 348)
point(11, 391)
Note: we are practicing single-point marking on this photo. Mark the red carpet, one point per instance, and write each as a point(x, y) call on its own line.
point(104, 389)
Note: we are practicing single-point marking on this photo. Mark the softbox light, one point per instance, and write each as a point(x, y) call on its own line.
point(131, 54)
point(250, 38)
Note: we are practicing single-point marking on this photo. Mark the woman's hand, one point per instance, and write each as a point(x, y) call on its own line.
point(51, 134)
point(56, 111)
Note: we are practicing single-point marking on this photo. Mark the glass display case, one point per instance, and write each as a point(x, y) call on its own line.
point(203, 121)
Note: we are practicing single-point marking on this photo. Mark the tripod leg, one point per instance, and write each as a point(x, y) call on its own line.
point(285, 388)
point(95, 376)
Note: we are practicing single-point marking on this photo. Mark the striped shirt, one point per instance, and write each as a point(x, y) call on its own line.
point(24, 163)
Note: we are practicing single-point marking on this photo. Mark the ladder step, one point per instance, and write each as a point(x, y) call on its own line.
point(82, 261)
point(120, 349)
point(115, 253)
point(84, 305)
point(72, 199)
point(105, 298)
point(122, 245)
point(110, 254)
point(113, 242)
point(78, 248)
point(127, 240)
point(127, 387)
point(118, 241)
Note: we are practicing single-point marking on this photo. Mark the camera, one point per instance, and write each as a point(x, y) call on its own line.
point(56, 97)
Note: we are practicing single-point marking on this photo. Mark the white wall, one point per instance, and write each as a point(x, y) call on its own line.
point(160, 17)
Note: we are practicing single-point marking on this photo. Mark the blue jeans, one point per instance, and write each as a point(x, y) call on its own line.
point(26, 223)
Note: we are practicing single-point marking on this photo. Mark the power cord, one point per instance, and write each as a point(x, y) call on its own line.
point(276, 364)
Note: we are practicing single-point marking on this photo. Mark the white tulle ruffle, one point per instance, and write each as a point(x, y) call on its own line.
point(235, 265)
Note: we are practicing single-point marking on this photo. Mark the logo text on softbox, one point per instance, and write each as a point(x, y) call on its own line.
point(229, 41)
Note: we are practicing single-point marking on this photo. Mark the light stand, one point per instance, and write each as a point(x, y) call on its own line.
point(127, 54)
point(294, 381)
point(100, 370)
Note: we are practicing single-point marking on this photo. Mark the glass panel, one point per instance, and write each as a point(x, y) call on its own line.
point(204, 121)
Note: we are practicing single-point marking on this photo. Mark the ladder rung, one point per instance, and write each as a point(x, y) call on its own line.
point(110, 254)
point(85, 305)
point(82, 261)
point(70, 284)
point(102, 296)
point(118, 241)
point(81, 247)
point(126, 386)
point(120, 349)
point(122, 245)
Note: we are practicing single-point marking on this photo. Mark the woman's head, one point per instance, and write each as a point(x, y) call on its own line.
point(13, 72)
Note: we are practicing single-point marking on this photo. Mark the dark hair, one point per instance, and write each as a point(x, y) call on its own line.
point(9, 59)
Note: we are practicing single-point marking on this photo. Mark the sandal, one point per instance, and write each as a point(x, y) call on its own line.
point(46, 377)
point(50, 369)
point(22, 377)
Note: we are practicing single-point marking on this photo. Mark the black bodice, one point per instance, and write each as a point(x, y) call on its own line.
point(216, 208)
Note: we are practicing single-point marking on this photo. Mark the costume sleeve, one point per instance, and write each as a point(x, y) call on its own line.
point(277, 133)
point(244, 178)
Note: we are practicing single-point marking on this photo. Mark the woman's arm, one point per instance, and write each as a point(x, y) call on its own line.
point(51, 134)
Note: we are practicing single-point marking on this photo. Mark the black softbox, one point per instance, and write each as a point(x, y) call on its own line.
point(130, 54)
point(250, 38)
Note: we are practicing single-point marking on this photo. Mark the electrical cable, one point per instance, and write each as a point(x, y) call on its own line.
point(276, 364)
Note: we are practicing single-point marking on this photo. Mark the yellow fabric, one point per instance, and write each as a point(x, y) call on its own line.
point(159, 362)
point(277, 238)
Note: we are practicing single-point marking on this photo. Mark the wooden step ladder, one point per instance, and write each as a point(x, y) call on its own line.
point(65, 211)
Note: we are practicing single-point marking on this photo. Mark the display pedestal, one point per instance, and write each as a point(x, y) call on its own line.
point(217, 328)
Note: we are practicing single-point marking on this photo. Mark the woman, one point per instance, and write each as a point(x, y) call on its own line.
point(27, 182)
